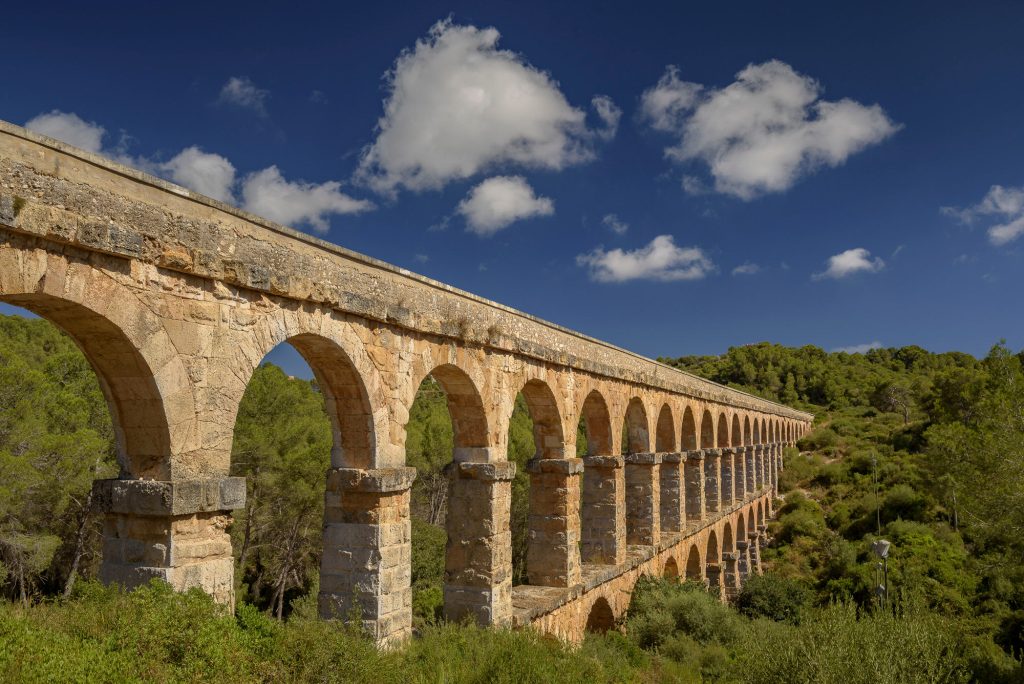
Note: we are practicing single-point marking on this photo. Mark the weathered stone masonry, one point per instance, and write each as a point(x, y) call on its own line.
point(175, 299)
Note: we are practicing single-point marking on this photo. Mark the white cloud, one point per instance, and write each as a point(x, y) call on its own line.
point(666, 105)
point(242, 92)
point(609, 113)
point(746, 269)
point(694, 186)
point(269, 194)
point(70, 128)
point(206, 173)
point(457, 105)
point(763, 132)
point(849, 262)
point(859, 348)
point(615, 224)
point(660, 260)
point(500, 201)
point(1002, 203)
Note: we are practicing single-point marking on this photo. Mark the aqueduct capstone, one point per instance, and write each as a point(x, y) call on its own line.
point(175, 299)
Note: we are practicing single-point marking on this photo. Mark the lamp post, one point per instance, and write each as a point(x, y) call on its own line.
point(881, 549)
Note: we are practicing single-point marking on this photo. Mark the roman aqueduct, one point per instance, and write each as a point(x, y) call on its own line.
point(175, 299)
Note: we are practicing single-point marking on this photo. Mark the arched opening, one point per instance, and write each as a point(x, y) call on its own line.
point(134, 403)
point(689, 432)
point(757, 431)
point(727, 540)
point(305, 409)
point(671, 569)
point(741, 529)
point(635, 432)
point(737, 433)
point(601, 617)
point(764, 431)
point(707, 431)
point(722, 440)
point(447, 424)
point(694, 569)
point(665, 435)
point(59, 431)
point(535, 432)
point(746, 431)
point(596, 426)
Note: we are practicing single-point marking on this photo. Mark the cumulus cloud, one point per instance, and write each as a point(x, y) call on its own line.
point(1005, 205)
point(500, 201)
point(763, 132)
point(458, 105)
point(615, 224)
point(265, 192)
point(242, 92)
point(269, 194)
point(70, 128)
point(206, 173)
point(660, 260)
point(851, 261)
point(859, 348)
point(746, 269)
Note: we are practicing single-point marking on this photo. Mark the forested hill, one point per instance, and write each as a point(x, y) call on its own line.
point(810, 377)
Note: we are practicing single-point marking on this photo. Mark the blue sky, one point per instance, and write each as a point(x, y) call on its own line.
point(607, 169)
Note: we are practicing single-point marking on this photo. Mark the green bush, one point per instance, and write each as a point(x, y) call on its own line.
point(777, 598)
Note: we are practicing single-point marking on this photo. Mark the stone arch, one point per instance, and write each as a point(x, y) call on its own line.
point(764, 431)
point(741, 528)
point(671, 569)
point(599, 424)
point(600, 618)
point(722, 438)
point(751, 523)
point(689, 431)
point(547, 423)
point(728, 543)
point(136, 383)
point(665, 434)
point(712, 553)
point(746, 431)
point(638, 432)
point(760, 513)
point(345, 399)
point(756, 437)
point(694, 569)
point(466, 407)
point(737, 431)
point(707, 431)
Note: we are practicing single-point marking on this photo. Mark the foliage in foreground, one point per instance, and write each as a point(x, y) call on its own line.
point(674, 633)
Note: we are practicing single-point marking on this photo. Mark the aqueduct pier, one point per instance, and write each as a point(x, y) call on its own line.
point(175, 299)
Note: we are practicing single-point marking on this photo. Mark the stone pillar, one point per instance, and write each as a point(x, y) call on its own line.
point(366, 566)
point(712, 477)
point(714, 579)
point(693, 474)
point(749, 467)
point(773, 470)
point(552, 553)
point(643, 499)
point(728, 477)
point(174, 531)
point(755, 548)
point(603, 530)
point(478, 559)
point(759, 463)
point(673, 493)
point(743, 563)
point(729, 560)
point(740, 465)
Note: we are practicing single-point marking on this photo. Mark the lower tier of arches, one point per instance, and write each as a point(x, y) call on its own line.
point(720, 552)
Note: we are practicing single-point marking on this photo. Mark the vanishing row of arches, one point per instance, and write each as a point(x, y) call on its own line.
point(696, 459)
point(721, 558)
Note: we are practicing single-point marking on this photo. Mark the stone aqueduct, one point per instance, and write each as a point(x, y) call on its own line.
point(175, 299)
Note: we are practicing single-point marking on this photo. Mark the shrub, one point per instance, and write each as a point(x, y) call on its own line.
point(773, 597)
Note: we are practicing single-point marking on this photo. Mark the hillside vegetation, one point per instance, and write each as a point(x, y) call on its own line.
point(925, 450)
